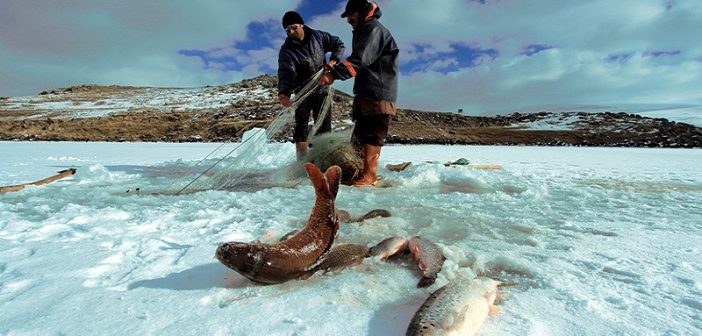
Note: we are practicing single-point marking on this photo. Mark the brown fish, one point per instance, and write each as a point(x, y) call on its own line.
point(429, 258)
point(389, 247)
point(346, 217)
point(299, 254)
point(374, 213)
point(342, 256)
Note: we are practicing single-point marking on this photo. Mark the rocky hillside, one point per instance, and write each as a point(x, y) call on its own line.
point(223, 113)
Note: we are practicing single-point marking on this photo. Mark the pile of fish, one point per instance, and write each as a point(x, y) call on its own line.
point(459, 306)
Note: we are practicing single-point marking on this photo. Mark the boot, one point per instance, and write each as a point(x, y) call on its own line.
point(301, 150)
point(371, 154)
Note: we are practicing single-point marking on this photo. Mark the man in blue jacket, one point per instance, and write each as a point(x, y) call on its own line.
point(302, 54)
point(373, 62)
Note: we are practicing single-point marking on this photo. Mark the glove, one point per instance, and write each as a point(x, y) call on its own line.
point(330, 64)
point(284, 100)
point(326, 79)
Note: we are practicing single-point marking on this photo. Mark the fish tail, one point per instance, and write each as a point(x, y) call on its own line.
point(326, 184)
point(333, 175)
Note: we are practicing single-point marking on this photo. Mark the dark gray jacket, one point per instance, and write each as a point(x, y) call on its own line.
point(299, 60)
point(373, 60)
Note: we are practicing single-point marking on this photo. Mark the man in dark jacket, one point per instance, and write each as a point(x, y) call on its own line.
point(373, 62)
point(302, 54)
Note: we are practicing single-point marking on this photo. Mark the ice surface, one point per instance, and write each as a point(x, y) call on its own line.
point(596, 241)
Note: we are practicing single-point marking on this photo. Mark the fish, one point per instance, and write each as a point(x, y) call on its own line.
point(398, 167)
point(342, 256)
point(458, 308)
point(295, 257)
point(429, 259)
point(346, 217)
point(389, 247)
point(374, 213)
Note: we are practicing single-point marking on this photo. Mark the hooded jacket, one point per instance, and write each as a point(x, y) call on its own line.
point(299, 60)
point(373, 60)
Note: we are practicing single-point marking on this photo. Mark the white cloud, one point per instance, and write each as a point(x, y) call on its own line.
point(44, 44)
point(47, 44)
point(583, 35)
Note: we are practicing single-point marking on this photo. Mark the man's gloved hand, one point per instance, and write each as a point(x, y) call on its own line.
point(326, 79)
point(330, 65)
point(284, 100)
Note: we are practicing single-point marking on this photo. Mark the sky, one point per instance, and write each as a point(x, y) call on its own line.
point(481, 56)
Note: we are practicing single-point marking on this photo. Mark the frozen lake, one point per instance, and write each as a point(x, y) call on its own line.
point(596, 241)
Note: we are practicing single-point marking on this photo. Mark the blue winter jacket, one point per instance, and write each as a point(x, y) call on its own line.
point(299, 60)
point(373, 60)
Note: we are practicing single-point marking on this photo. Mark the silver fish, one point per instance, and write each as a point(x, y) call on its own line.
point(389, 247)
point(429, 259)
point(458, 308)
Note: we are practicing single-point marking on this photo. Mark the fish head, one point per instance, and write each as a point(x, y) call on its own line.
point(245, 258)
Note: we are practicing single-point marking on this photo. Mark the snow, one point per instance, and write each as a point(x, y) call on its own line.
point(100, 104)
point(689, 114)
point(551, 123)
point(595, 241)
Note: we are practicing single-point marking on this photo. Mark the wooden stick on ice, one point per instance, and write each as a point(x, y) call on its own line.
point(60, 175)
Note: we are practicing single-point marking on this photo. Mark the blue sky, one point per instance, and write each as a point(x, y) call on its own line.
point(482, 56)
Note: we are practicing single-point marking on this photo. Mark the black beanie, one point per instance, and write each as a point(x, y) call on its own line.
point(292, 17)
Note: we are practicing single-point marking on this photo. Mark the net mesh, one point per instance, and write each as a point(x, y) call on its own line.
point(235, 169)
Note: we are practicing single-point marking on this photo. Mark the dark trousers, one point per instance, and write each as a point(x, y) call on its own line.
point(370, 130)
point(311, 105)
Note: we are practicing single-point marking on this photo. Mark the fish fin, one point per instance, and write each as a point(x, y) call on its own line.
point(333, 175)
point(307, 275)
point(499, 297)
point(319, 181)
point(451, 318)
point(426, 281)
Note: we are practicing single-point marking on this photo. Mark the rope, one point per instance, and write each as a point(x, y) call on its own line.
point(216, 163)
point(325, 110)
point(181, 175)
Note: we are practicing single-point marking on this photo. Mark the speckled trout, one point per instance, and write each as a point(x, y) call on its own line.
point(458, 308)
point(429, 259)
point(296, 256)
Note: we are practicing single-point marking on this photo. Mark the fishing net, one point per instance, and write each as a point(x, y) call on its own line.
point(331, 149)
point(239, 168)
